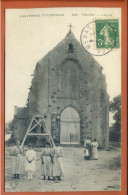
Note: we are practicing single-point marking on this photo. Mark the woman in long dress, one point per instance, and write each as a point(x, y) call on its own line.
point(57, 163)
point(46, 162)
point(30, 161)
point(87, 151)
point(94, 149)
point(17, 160)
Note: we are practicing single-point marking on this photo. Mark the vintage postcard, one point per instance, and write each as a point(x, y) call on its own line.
point(62, 99)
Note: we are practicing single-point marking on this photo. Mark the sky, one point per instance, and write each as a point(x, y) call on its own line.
point(31, 33)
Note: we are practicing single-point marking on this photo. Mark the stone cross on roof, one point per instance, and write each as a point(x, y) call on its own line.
point(70, 26)
point(70, 30)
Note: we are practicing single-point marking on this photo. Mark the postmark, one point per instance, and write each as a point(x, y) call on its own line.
point(99, 37)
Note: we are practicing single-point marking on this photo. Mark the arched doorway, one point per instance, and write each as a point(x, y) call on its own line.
point(70, 126)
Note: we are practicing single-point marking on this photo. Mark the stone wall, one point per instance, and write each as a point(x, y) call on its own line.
point(49, 94)
point(47, 98)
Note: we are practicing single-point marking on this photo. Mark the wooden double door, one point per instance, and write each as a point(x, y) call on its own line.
point(70, 126)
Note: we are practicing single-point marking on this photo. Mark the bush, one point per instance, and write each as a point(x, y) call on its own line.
point(114, 135)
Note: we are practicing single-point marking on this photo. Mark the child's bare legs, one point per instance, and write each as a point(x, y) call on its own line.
point(29, 176)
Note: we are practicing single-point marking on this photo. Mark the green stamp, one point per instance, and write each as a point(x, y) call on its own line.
point(107, 33)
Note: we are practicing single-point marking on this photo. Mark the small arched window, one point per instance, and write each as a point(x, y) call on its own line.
point(70, 49)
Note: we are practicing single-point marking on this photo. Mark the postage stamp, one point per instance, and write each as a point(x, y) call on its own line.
point(107, 33)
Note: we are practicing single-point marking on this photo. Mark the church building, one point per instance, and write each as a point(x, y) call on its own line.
point(69, 90)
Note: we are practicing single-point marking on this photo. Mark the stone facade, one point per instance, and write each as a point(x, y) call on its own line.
point(68, 77)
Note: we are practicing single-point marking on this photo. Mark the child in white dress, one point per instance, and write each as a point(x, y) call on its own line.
point(30, 161)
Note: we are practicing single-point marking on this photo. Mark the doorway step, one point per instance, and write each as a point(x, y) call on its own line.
point(71, 145)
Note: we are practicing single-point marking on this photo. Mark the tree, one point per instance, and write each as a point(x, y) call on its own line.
point(115, 108)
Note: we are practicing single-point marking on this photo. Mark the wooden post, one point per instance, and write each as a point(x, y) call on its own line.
point(36, 134)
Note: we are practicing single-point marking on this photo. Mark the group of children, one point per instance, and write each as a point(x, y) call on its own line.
point(91, 152)
point(50, 158)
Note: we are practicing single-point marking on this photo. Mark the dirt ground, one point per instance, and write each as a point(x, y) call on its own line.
point(80, 175)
